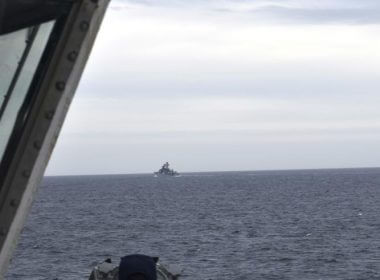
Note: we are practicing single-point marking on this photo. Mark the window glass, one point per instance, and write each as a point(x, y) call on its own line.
point(13, 48)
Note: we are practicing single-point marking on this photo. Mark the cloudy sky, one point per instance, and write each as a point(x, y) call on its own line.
point(227, 85)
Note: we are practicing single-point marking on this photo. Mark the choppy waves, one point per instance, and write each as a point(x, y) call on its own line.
point(244, 225)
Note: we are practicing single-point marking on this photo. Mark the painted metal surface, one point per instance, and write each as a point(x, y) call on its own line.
point(41, 129)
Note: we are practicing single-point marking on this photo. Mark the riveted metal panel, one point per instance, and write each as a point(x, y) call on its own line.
point(44, 121)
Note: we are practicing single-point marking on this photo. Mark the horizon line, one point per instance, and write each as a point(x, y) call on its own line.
point(219, 171)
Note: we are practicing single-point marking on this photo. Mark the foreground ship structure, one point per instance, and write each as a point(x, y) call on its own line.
point(166, 171)
point(107, 270)
point(44, 46)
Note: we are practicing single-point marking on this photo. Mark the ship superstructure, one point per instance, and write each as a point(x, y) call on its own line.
point(166, 171)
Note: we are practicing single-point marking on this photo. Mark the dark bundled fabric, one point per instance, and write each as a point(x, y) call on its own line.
point(135, 264)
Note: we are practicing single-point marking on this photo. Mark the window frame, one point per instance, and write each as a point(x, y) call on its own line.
point(43, 111)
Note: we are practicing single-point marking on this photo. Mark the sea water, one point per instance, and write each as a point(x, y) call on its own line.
point(310, 224)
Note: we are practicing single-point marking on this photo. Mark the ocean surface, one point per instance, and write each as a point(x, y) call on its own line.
point(310, 224)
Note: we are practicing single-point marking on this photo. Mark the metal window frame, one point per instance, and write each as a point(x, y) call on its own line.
point(46, 111)
point(18, 14)
point(19, 68)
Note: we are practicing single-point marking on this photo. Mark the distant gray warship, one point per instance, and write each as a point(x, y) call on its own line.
point(166, 171)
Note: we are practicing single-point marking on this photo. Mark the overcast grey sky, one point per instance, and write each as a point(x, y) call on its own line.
point(227, 85)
